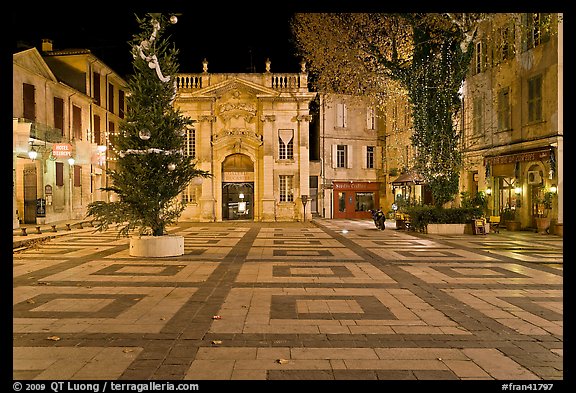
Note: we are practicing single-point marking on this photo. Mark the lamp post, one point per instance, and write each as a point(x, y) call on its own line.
point(70, 176)
point(304, 199)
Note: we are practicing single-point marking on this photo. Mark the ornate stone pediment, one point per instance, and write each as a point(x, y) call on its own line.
point(227, 110)
point(236, 86)
point(238, 133)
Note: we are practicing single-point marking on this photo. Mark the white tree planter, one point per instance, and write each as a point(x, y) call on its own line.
point(446, 229)
point(156, 246)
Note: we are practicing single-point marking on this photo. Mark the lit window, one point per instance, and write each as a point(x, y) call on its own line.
point(286, 192)
point(341, 156)
point(535, 99)
point(369, 157)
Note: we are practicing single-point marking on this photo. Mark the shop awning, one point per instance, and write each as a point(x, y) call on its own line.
point(409, 178)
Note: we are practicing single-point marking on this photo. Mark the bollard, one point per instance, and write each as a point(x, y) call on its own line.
point(68, 227)
point(23, 232)
point(54, 228)
point(38, 229)
point(80, 225)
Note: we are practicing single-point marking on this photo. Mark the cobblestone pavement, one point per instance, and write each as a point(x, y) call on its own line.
point(328, 299)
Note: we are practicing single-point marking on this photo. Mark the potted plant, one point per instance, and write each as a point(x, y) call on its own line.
point(151, 169)
point(510, 220)
point(543, 207)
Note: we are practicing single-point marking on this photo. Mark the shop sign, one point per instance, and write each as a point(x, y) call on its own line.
point(238, 177)
point(356, 186)
point(519, 157)
point(62, 150)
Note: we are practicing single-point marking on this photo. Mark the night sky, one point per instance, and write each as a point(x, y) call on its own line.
point(232, 39)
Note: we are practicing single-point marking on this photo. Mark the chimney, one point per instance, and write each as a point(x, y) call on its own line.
point(46, 45)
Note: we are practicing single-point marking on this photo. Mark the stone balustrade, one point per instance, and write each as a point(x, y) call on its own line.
point(285, 82)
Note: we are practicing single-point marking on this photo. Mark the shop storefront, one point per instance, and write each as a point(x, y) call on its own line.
point(411, 188)
point(355, 199)
point(518, 181)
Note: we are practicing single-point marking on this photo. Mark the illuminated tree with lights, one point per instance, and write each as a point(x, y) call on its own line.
point(151, 170)
point(427, 54)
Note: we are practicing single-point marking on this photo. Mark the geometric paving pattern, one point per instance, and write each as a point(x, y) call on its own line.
point(321, 300)
point(331, 310)
point(48, 309)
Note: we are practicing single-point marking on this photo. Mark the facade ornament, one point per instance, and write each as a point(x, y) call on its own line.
point(204, 65)
point(307, 118)
point(208, 118)
point(268, 63)
point(303, 66)
point(270, 118)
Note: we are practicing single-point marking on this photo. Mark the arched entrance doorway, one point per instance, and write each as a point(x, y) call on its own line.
point(237, 187)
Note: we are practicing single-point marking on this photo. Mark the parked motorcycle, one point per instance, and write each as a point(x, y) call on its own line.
point(379, 219)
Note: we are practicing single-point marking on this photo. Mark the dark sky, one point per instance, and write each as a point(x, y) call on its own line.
point(231, 38)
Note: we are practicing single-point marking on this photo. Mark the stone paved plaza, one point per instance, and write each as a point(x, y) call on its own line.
point(328, 299)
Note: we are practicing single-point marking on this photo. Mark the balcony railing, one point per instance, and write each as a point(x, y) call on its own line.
point(284, 82)
point(43, 132)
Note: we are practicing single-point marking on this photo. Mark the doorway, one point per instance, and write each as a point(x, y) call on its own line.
point(30, 194)
point(237, 201)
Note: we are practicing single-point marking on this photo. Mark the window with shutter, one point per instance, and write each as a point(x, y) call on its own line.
point(77, 175)
point(59, 114)
point(29, 101)
point(370, 118)
point(535, 98)
point(96, 88)
point(59, 174)
point(341, 115)
point(121, 104)
point(111, 98)
point(77, 122)
point(369, 157)
point(97, 133)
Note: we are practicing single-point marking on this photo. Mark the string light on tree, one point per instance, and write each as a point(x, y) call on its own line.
point(151, 169)
point(144, 134)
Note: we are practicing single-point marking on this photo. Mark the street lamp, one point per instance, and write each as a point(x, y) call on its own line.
point(32, 154)
point(304, 199)
point(71, 162)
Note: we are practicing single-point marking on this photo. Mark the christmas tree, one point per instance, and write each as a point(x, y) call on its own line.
point(151, 169)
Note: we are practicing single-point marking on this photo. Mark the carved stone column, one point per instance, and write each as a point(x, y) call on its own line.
point(205, 156)
point(268, 201)
point(304, 162)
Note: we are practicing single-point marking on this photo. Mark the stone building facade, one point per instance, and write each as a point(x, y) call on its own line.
point(251, 132)
point(350, 153)
point(66, 106)
point(513, 117)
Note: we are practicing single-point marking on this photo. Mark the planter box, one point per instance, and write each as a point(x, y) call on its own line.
point(156, 246)
point(542, 223)
point(448, 229)
point(559, 229)
point(513, 225)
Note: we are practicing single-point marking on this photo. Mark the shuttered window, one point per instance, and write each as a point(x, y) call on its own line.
point(59, 174)
point(96, 77)
point(121, 104)
point(77, 175)
point(97, 133)
point(29, 101)
point(77, 122)
point(111, 97)
point(341, 115)
point(59, 114)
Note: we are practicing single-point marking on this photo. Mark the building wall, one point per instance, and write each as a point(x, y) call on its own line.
point(353, 124)
point(499, 152)
point(69, 200)
point(248, 115)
